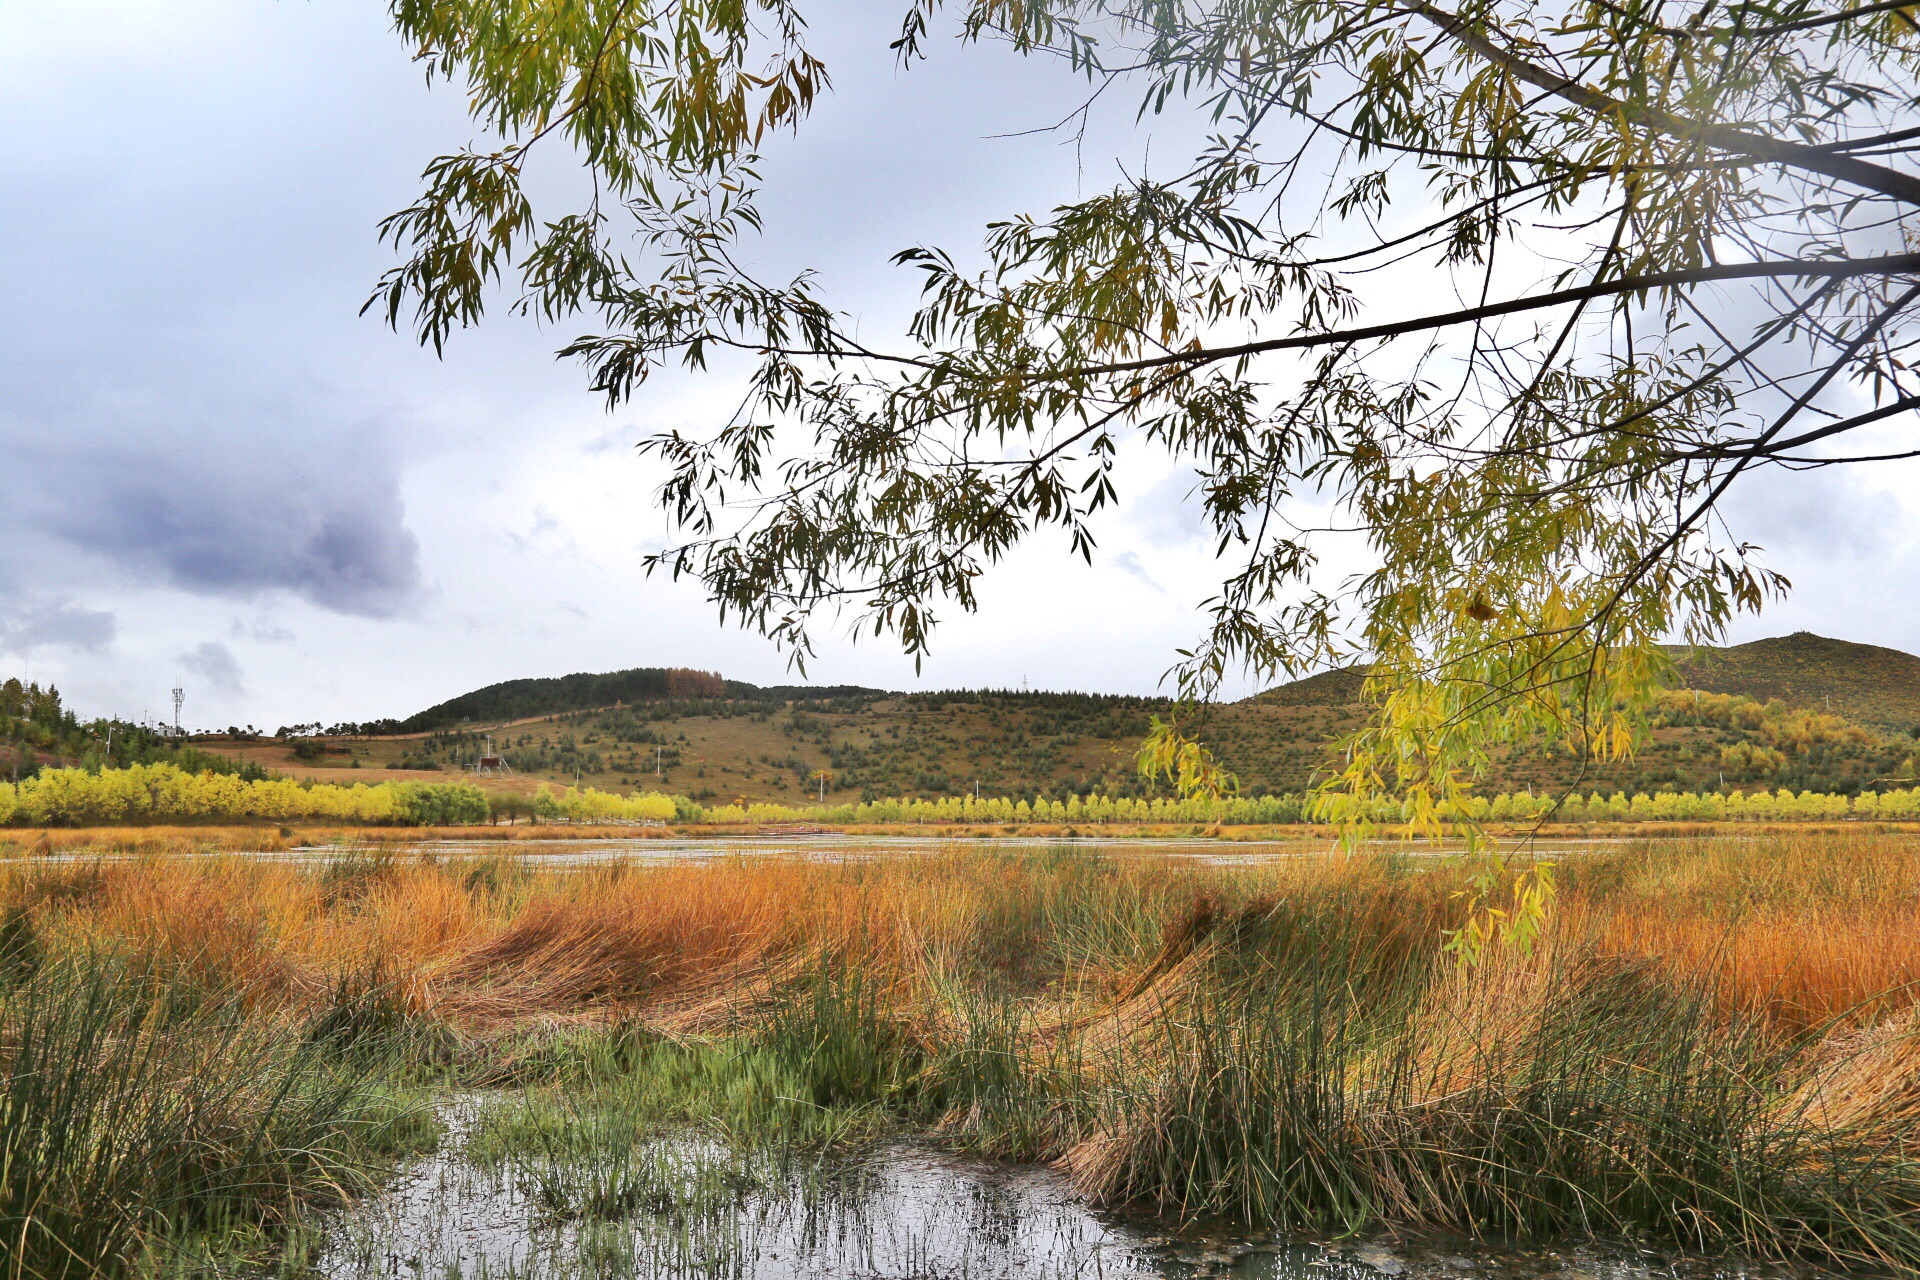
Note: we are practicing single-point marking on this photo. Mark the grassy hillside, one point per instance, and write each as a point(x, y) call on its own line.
point(772, 744)
point(1863, 682)
point(1011, 743)
point(761, 747)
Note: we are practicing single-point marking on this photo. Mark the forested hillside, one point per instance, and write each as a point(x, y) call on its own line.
point(547, 696)
point(519, 699)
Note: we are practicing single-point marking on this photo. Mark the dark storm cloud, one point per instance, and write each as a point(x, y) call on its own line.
point(340, 541)
point(235, 503)
point(182, 400)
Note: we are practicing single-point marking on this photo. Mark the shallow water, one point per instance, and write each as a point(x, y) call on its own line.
point(688, 1207)
point(594, 851)
point(836, 847)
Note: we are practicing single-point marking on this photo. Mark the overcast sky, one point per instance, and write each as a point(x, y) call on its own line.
point(217, 472)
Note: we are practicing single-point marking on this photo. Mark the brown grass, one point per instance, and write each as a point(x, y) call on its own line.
point(1787, 963)
point(1805, 929)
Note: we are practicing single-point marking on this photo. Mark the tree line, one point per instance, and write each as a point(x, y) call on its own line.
point(167, 793)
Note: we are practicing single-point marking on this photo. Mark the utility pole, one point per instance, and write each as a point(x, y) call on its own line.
point(179, 697)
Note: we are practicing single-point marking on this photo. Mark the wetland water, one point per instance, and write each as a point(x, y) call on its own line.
point(833, 847)
point(675, 1208)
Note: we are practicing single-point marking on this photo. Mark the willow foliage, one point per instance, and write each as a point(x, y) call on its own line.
point(1674, 240)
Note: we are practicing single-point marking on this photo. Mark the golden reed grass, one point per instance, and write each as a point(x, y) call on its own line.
point(1804, 928)
point(1285, 1040)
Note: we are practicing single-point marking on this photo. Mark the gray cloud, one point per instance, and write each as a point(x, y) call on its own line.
point(182, 412)
point(220, 500)
point(615, 440)
point(215, 663)
point(262, 632)
point(55, 624)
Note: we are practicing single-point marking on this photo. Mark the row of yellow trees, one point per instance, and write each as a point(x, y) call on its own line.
point(165, 793)
point(1665, 806)
point(1262, 810)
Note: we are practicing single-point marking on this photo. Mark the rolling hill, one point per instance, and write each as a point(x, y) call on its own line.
point(721, 740)
point(1863, 682)
point(512, 700)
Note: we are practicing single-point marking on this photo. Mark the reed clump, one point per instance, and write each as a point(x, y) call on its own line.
point(1712, 1044)
point(137, 1109)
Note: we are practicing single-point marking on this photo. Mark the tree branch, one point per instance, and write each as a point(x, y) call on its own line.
point(1893, 264)
point(1758, 449)
point(1721, 137)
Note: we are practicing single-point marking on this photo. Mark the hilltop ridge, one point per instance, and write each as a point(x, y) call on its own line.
point(536, 696)
point(1867, 683)
point(1864, 682)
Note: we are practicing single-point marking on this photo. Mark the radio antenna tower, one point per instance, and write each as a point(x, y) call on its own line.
point(179, 697)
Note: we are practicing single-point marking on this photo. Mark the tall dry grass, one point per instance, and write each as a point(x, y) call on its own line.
point(491, 940)
point(1803, 929)
point(1712, 1045)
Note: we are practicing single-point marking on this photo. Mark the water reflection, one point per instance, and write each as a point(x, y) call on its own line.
point(593, 850)
point(689, 1207)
